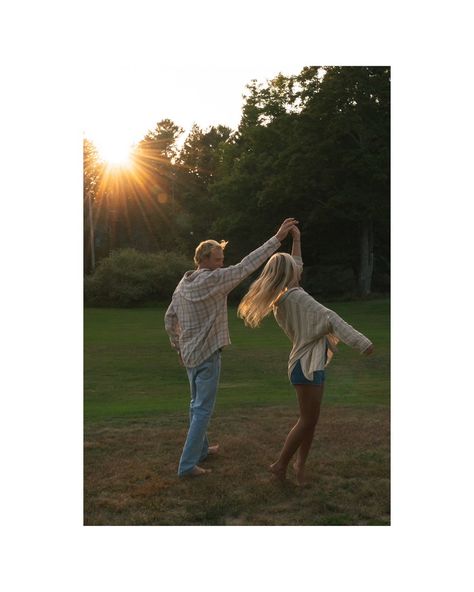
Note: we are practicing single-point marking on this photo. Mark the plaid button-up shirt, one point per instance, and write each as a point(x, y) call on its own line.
point(196, 319)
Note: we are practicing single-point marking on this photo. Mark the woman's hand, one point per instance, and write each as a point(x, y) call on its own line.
point(369, 350)
point(285, 228)
point(295, 233)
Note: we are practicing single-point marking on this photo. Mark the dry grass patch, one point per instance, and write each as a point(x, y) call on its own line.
point(130, 471)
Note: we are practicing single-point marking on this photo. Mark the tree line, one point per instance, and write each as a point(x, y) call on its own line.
point(315, 145)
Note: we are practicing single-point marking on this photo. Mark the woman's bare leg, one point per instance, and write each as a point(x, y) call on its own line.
point(309, 400)
point(305, 446)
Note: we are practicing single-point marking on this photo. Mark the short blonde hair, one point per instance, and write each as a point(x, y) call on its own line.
point(204, 249)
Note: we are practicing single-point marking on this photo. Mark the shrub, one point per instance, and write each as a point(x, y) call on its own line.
point(131, 278)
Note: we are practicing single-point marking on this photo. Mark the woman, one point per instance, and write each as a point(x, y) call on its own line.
point(314, 331)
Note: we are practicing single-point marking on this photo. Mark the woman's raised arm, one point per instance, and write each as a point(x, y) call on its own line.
point(296, 235)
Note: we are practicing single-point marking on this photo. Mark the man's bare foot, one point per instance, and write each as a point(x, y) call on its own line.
point(214, 449)
point(278, 471)
point(299, 472)
point(199, 471)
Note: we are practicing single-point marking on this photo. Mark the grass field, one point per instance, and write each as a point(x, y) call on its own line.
point(135, 415)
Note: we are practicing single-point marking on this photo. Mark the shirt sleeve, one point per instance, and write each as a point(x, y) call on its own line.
point(230, 277)
point(346, 333)
point(172, 327)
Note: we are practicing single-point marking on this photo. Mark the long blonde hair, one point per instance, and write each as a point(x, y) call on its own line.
point(280, 272)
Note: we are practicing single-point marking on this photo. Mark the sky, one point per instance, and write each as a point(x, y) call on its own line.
point(148, 61)
point(133, 99)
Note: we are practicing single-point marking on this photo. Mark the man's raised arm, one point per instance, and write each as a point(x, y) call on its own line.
point(230, 277)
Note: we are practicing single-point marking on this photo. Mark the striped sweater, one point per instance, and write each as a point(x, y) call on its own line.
point(309, 326)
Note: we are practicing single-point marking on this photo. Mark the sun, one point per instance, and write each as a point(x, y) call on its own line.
point(115, 152)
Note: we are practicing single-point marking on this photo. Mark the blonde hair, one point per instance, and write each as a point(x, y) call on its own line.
point(279, 272)
point(204, 249)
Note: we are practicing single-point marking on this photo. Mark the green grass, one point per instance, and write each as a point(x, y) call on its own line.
point(136, 404)
point(131, 372)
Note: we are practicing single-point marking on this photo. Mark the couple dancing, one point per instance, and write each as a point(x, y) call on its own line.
point(196, 322)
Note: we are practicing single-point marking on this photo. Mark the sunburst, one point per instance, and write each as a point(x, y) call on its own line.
point(115, 152)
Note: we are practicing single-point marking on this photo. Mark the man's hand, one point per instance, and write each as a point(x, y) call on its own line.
point(285, 228)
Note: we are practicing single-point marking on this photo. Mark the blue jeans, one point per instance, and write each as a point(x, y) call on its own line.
point(203, 380)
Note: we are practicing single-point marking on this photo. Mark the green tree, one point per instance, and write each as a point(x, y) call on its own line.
point(145, 196)
point(316, 146)
point(92, 174)
point(345, 118)
point(199, 162)
point(250, 164)
point(155, 158)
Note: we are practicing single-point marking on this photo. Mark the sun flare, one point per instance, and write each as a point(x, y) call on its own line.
point(115, 152)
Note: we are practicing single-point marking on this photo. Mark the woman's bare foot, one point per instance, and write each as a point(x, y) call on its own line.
point(299, 472)
point(214, 449)
point(278, 471)
point(198, 471)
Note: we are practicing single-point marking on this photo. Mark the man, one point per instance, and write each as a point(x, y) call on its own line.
point(196, 322)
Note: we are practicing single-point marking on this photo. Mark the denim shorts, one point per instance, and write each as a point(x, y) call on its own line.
point(297, 376)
